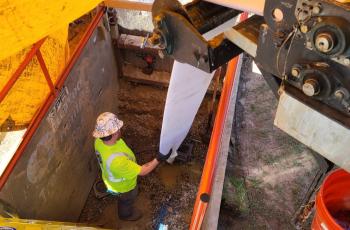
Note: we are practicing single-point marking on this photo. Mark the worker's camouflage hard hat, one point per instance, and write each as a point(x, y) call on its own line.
point(106, 124)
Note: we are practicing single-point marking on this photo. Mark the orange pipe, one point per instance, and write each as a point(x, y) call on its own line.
point(50, 99)
point(206, 182)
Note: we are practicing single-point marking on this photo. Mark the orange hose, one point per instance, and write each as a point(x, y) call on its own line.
point(206, 182)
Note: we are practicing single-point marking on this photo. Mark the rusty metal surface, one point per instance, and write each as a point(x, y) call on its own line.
point(246, 34)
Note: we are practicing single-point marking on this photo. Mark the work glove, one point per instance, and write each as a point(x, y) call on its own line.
point(161, 158)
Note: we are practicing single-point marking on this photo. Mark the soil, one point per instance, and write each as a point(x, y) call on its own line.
point(268, 172)
point(167, 195)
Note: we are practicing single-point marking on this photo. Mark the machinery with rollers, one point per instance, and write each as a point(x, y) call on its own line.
point(301, 47)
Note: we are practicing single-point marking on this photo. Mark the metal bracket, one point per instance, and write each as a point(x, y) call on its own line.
point(179, 29)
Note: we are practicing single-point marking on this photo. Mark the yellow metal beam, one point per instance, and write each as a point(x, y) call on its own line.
point(22, 224)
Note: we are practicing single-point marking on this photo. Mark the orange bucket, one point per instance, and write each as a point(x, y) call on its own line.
point(333, 202)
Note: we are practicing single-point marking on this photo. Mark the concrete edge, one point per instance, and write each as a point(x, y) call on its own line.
point(211, 217)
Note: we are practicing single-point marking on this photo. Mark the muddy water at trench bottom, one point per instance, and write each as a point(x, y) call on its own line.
point(170, 174)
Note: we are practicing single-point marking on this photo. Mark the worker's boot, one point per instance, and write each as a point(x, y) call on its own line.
point(136, 215)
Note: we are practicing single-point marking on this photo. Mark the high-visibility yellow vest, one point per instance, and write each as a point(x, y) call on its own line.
point(118, 166)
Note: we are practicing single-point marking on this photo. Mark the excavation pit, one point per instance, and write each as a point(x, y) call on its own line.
point(167, 195)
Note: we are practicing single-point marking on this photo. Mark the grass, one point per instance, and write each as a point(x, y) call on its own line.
point(270, 160)
point(252, 108)
point(297, 163)
point(255, 183)
point(263, 134)
point(279, 190)
point(240, 194)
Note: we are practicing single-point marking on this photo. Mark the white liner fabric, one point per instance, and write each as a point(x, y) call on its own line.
point(187, 89)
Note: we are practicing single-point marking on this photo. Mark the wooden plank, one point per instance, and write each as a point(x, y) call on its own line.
point(159, 78)
point(127, 41)
point(135, 74)
point(212, 215)
point(246, 34)
point(129, 5)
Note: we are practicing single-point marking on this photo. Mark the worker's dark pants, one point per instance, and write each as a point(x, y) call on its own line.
point(126, 203)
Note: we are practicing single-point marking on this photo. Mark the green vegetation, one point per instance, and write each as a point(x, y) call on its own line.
point(240, 194)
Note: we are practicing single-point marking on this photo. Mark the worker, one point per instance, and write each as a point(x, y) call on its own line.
point(118, 164)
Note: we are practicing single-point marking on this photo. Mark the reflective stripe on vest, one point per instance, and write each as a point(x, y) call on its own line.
point(108, 166)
